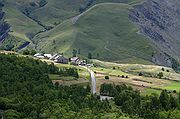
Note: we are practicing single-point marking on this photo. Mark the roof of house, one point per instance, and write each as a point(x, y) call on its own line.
point(53, 56)
point(60, 57)
point(48, 55)
point(38, 54)
point(40, 57)
point(74, 58)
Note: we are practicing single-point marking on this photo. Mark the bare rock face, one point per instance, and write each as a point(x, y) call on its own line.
point(4, 27)
point(159, 20)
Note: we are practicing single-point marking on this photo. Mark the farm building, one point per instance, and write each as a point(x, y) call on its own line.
point(39, 55)
point(47, 56)
point(75, 60)
point(61, 59)
point(53, 57)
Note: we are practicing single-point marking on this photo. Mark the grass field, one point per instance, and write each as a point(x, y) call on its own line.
point(150, 91)
point(108, 71)
point(72, 82)
point(173, 86)
point(57, 77)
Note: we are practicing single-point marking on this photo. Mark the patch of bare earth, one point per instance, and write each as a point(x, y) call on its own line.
point(136, 82)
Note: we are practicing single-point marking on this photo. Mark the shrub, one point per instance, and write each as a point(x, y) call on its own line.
point(174, 91)
point(163, 69)
point(114, 68)
point(160, 75)
point(127, 77)
point(167, 70)
point(122, 76)
point(106, 77)
point(29, 52)
point(56, 84)
point(140, 74)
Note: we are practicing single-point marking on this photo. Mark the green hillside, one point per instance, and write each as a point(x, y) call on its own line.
point(104, 30)
point(55, 11)
point(22, 27)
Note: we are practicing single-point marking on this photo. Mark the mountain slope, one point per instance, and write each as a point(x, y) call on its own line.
point(55, 11)
point(60, 10)
point(4, 27)
point(22, 27)
point(28, 18)
point(104, 31)
point(160, 22)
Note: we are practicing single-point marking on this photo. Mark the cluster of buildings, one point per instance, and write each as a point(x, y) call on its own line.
point(61, 59)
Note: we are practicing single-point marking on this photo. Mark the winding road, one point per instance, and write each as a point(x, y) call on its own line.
point(93, 80)
point(93, 84)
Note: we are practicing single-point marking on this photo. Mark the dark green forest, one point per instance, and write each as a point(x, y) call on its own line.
point(26, 92)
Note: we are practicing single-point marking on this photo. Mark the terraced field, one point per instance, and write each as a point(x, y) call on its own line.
point(147, 84)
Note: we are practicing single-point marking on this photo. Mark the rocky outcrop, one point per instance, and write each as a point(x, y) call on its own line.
point(4, 27)
point(159, 20)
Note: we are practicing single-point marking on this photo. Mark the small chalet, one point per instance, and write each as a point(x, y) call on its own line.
point(53, 57)
point(47, 56)
point(75, 60)
point(61, 59)
point(82, 62)
point(39, 55)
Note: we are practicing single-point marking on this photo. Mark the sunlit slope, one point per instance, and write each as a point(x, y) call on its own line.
point(59, 39)
point(104, 30)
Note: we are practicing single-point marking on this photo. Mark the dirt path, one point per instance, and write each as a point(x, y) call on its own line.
point(106, 48)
